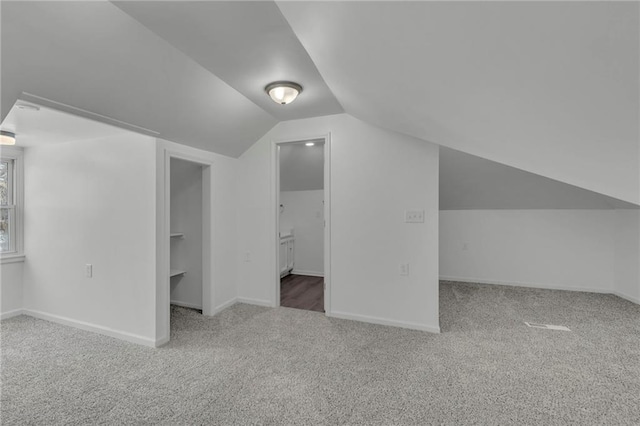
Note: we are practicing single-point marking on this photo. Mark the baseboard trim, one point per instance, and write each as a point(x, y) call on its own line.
point(307, 273)
point(632, 299)
point(11, 314)
point(224, 306)
point(161, 341)
point(383, 321)
point(522, 284)
point(185, 304)
point(258, 302)
point(82, 325)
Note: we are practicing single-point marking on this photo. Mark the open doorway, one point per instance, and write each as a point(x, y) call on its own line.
point(185, 265)
point(186, 234)
point(302, 235)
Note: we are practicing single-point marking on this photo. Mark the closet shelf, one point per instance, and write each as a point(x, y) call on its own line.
point(177, 235)
point(176, 272)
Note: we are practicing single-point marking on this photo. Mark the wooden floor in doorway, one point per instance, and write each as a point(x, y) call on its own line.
point(302, 292)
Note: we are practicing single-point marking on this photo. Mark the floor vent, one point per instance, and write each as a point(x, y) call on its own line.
point(547, 326)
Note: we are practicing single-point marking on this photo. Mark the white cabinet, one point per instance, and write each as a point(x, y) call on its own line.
point(287, 254)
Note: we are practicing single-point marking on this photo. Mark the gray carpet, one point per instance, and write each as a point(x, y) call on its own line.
point(254, 365)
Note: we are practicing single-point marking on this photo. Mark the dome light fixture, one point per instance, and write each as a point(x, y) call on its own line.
point(7, 138)
point(283, 92)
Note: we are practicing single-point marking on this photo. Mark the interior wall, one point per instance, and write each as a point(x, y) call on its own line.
point(186, 218)
point(562, 249)
point(627, 254)
point(92, 202)
point(375, 176)
point(304, 213)
point(10, 288)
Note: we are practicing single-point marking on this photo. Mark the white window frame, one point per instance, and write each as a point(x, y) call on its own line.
point(16, 253)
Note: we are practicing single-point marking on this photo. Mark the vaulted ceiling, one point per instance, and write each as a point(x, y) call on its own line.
point(548, 87)
point(551, 88)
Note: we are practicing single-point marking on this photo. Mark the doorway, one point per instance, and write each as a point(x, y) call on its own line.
point(186, 234)
point(302, 201)
point(185, 267)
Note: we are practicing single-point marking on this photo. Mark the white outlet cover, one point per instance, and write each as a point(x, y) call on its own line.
point(404, 269)
point(414, 216)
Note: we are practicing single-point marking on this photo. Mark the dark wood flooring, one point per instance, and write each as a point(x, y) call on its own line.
point(302, 292)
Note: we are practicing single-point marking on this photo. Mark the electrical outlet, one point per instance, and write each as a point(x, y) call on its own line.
point(404, 269)
point(247, 257)
point(88, 270)
point(465, 247)
point(414, 216)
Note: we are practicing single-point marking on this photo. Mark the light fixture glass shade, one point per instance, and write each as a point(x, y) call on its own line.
point(283, 92)
point(7, 138)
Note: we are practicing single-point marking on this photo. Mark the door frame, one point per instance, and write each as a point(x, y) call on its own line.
point(275, 215)
point(164, 246)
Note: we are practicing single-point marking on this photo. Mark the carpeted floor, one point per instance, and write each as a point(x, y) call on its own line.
point(254, 365)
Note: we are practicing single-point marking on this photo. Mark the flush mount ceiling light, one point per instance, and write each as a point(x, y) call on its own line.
point(7, 138)
point(309, 144)
point(283, 92)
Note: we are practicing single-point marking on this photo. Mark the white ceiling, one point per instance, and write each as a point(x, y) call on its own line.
point(246, 44)
point(468, 182)
point(549, 87)
point(546, 87)
point(49, 126)
point(93, 56)
point(301, 167)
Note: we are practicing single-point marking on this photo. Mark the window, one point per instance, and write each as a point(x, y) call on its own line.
point(7, 207)
point(10, 202)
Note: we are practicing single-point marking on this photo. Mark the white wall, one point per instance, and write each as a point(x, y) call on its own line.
point(627, 254)
point(375, 176)
point(92, 202)
point(186, 217)
point(304, 213)
point(10, 288)
point(563, 249)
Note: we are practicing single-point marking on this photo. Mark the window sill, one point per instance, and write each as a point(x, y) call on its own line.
point(11, 258)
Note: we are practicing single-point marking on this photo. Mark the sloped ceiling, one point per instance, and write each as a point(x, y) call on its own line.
point(548, 87)
point(93, 56)
point(247, 44)
point(50, 126)
point(468, 182)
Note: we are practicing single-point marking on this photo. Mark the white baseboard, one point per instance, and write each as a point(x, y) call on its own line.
point(122, 335)
point(258, 302)
point(635, 300)
point(11, 314)
point(307, 273)
point(185, 304)
point(224, 306)
point(523, 284)
point(383, 321)
point(161, 341)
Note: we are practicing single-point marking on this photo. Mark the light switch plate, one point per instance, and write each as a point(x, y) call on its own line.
point(414, 216)
point(88, 270)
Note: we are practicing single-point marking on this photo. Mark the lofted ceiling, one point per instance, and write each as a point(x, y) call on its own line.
point(468, 182)
point(93, 56)
point(46, 126)
point(247, 44)
point(548, 87)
